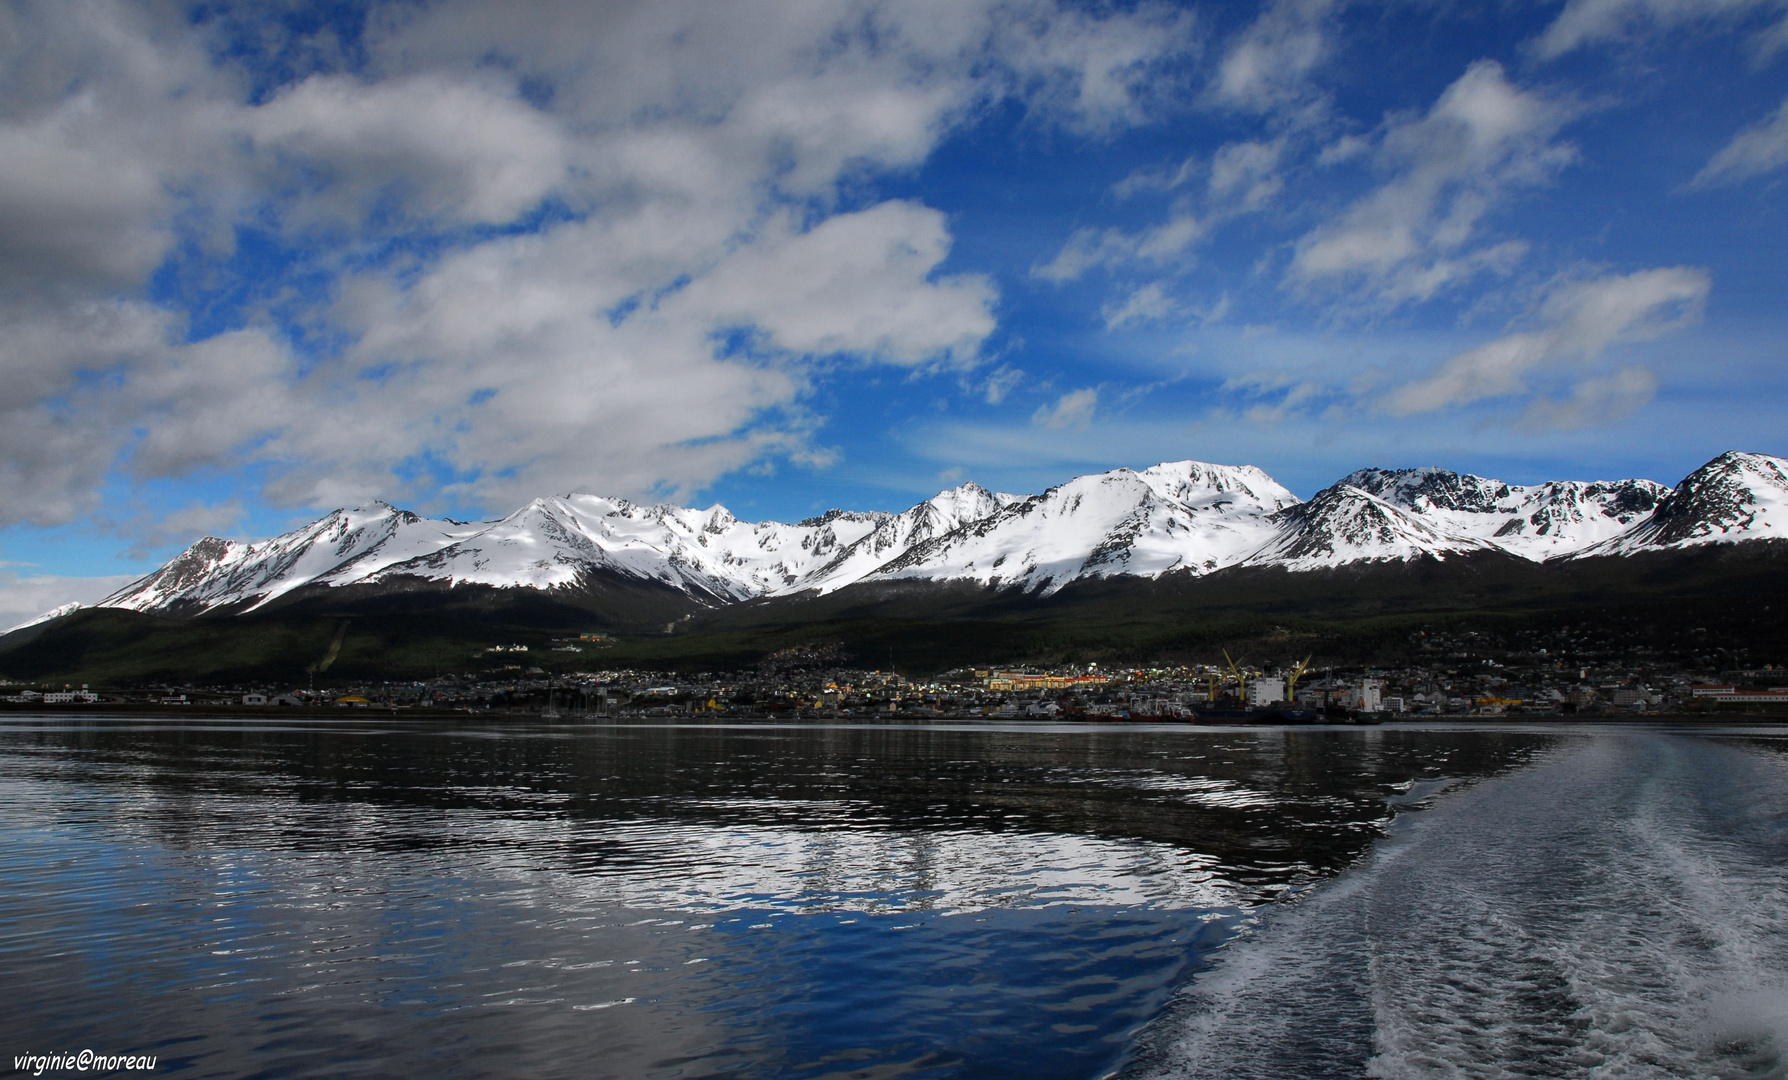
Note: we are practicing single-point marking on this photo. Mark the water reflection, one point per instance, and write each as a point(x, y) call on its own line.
point(466, 899)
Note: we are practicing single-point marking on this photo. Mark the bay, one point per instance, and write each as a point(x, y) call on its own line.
point(337, 897)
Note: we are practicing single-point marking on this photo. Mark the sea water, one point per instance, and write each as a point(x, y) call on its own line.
point(269, 897)
point(1617, 908)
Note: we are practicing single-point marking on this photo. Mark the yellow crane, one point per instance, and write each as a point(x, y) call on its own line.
point(1241, 679)
point(1292, 677)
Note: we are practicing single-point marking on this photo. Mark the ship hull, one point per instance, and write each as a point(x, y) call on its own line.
point(1211, 716)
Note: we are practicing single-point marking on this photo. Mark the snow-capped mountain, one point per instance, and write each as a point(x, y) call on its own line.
point(1345, 524)
point(1544, 521)
point(52, 614)
point(343, 546)
point(1734, 497)
point(1183, 515)
point(1179, 517)
point(553, 543)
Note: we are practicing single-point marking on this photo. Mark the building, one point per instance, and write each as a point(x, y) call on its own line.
point(1020, 680)
point(254, 699)
point(1266, 691)
point(82, 696)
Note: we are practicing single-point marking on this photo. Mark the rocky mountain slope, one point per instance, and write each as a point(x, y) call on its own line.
point(1183, 517)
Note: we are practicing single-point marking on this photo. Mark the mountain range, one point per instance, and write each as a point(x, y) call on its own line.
point(1183, 518)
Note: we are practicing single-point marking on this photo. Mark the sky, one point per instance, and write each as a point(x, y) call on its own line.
point(258, 261)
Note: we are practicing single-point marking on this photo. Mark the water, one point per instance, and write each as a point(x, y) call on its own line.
point(340, 898)
point(1618, 909)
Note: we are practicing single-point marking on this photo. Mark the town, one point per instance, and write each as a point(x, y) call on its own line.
point(1565, 673)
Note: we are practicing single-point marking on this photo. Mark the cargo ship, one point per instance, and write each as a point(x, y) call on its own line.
point(1161, 711)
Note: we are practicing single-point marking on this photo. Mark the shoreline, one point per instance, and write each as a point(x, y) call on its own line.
point(134, 711)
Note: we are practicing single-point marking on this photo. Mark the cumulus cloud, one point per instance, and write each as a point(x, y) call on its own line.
point(1074, 410)
point(860, 283)
point(1579, 322)
point(1418, 232)
point(465, 149)
point(602, 245)
point(1758, 149)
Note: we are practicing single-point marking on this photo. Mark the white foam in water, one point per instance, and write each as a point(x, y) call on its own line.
point(1616, 910)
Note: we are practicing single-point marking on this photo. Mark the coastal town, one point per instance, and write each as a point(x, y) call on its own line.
point(1461, 674)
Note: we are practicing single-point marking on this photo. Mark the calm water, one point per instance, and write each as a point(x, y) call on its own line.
point(341, 898)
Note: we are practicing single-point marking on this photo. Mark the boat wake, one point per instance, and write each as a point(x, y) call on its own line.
point(1619, 909)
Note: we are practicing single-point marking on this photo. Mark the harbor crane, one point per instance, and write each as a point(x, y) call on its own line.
point(1241, 679)
point(1292, 677)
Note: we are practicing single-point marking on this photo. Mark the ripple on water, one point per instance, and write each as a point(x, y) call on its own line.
point(455, 901)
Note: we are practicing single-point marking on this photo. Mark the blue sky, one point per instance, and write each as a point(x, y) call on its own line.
point(259, 261)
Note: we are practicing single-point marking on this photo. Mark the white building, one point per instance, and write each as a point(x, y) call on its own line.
point(83, 696)
point(1265, 691)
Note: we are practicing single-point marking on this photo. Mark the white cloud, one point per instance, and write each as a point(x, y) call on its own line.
point(1091, 249)
point(1593, 402)
point(1771, 41)
point(1587, 22)
point(468, 150)
point(1147, 304)
point(857, 283)
point(62, 424)
point(1072, 410)
point(1267, 66)
point(152, 530)
point(660, 328)
point(1414, 236)
point(1243, 178)
point(1002, 381)
point(1287, 391)
point(1580, 321)
point(1247, 173)
point(25, 597)
point(1760, 148)
point(1155, 178)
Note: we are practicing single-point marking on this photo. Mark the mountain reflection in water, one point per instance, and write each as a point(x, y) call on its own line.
point(256, 898)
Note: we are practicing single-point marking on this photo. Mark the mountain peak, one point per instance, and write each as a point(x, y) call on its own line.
point(1188, 516)
point(1735, 496)
point(1349, 524)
